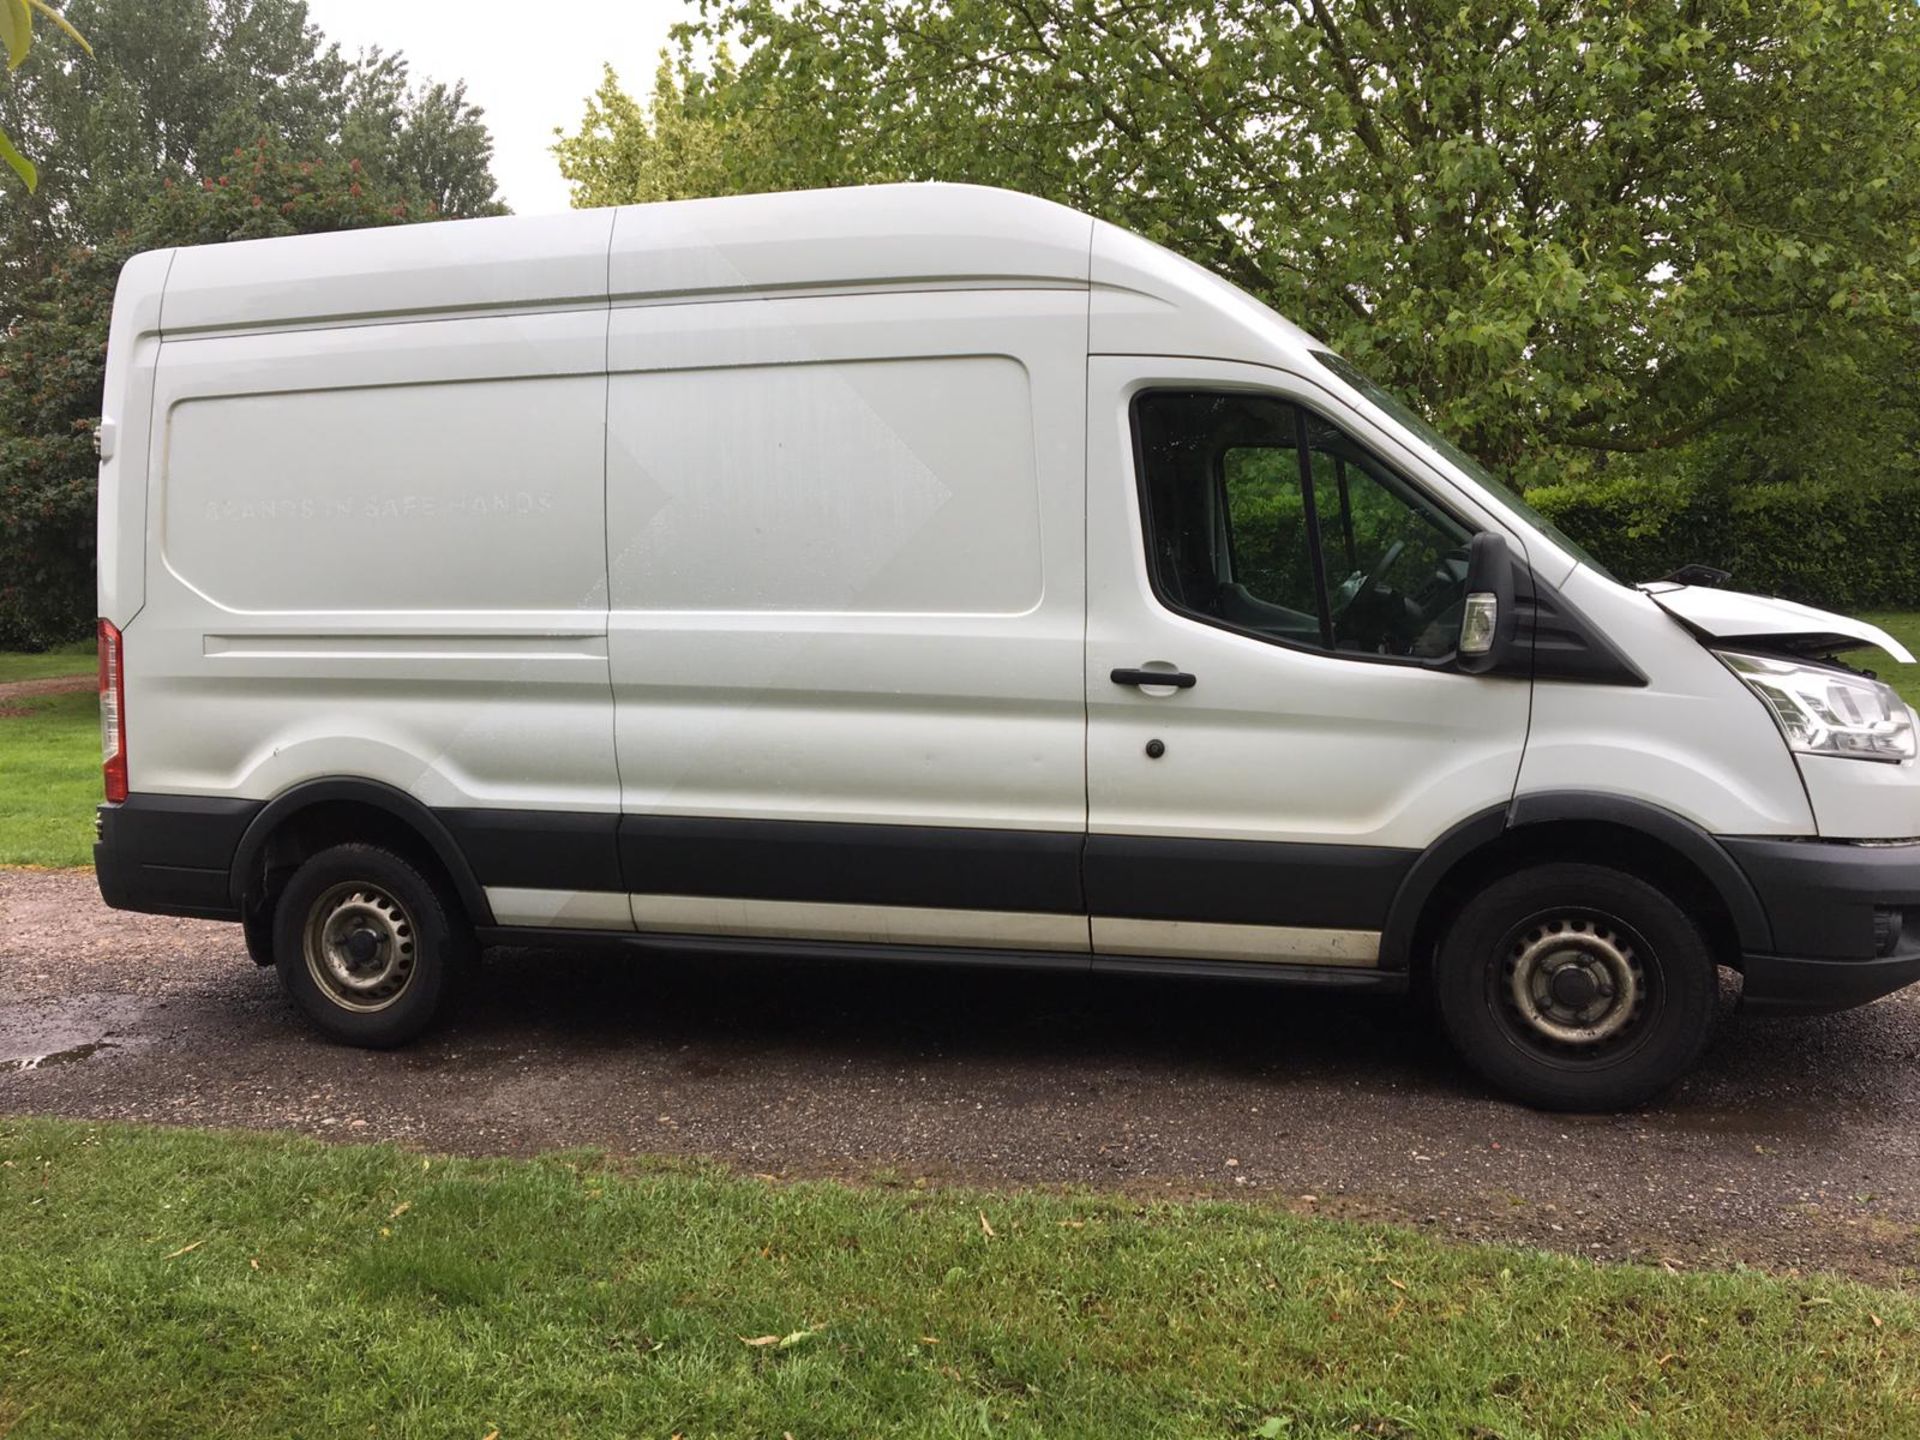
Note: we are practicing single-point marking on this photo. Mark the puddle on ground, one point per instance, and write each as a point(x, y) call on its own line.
point(70, 1030)
point(58, 1057)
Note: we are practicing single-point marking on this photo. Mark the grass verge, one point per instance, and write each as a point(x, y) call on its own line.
point(78, 658)
point(49, 779)
point(159, 1282)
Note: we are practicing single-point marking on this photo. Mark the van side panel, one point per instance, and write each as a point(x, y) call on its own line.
point(848, 572)
point(378, 551)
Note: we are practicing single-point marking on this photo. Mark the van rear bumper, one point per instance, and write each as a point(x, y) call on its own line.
point(170, 854)
point(1845, 918)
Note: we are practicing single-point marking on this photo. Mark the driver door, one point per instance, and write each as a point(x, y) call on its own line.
point(1306, 570)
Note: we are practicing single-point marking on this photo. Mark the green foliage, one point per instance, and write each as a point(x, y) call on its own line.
point(1580, 236)
point(52, 361)
point(50, 377)
point(166, 1282)
point(16, 38)
point(1836, 546)
point(1268, 520)
point(689, 140)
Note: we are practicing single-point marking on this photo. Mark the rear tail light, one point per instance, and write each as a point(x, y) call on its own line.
point(113, 713)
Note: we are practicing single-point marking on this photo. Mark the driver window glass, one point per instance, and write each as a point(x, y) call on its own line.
point(1227, 538)
point(1267, 539)
point(1396, 567)
point(1230, 538)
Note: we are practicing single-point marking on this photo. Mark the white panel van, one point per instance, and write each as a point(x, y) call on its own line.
point(935, 573)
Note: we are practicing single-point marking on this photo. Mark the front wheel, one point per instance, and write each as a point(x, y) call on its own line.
point(1576, 987)
point(368, 946)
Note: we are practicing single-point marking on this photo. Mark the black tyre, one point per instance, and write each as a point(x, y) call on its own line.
point(368, 946)
point(1576, 987)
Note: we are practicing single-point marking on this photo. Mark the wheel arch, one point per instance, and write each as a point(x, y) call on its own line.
point(1665, 849)
point(316, 813)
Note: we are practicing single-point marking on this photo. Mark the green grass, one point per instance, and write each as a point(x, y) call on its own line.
point(49, 780)
point(1904, 626)
point(78, 658)
point(161, 1283)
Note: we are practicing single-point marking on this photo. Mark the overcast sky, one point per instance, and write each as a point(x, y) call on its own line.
point(529, 77)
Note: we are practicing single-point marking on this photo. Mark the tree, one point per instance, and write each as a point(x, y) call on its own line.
point(16, 38)
point(1578, 233)
point(52, 359)
point(692, 138)
point(176, 85)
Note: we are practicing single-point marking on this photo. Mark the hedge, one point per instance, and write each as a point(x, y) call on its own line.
point(1841, 548)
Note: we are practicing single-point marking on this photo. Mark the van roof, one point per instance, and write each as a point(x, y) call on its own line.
point(866, 236)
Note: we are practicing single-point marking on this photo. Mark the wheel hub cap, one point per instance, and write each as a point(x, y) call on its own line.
point(1573, 987)
point(1575, 981)
point(359, 946)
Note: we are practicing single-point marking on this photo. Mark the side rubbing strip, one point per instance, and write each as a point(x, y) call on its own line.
point(1194, 940)
point(875, 924)
point(847, 864)
point(560, 909)
point(538, 849)
point(1244, 882)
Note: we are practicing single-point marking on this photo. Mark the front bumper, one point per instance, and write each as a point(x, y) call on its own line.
point(1831, 904)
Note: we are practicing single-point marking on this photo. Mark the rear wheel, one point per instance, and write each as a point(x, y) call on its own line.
point(368, 946)
point(1576, 987)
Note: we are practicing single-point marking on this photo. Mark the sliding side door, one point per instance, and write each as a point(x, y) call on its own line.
point(847, 610)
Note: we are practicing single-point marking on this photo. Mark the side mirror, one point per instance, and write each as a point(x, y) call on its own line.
point(1490, 619)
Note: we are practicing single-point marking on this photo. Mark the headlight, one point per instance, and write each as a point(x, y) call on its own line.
point(1825, 711)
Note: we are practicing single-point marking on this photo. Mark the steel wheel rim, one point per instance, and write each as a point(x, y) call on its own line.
point(1575, 988)
point(360, 946)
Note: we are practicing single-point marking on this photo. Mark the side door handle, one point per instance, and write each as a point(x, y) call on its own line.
point(1176, 679)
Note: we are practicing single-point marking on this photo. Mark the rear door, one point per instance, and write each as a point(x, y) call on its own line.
point(1266, 802)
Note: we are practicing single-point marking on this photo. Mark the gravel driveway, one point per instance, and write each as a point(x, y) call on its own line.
point(1796, 1145)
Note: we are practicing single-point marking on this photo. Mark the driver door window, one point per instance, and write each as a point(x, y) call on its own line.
point(1265, 518)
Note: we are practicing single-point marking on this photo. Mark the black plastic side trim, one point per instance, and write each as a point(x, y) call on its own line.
point(1244, 882)
point(1706, 854)
point(1554, 641)
point(1424, 877)
point(948, 868)
point(539, 849)
point(396, 803)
